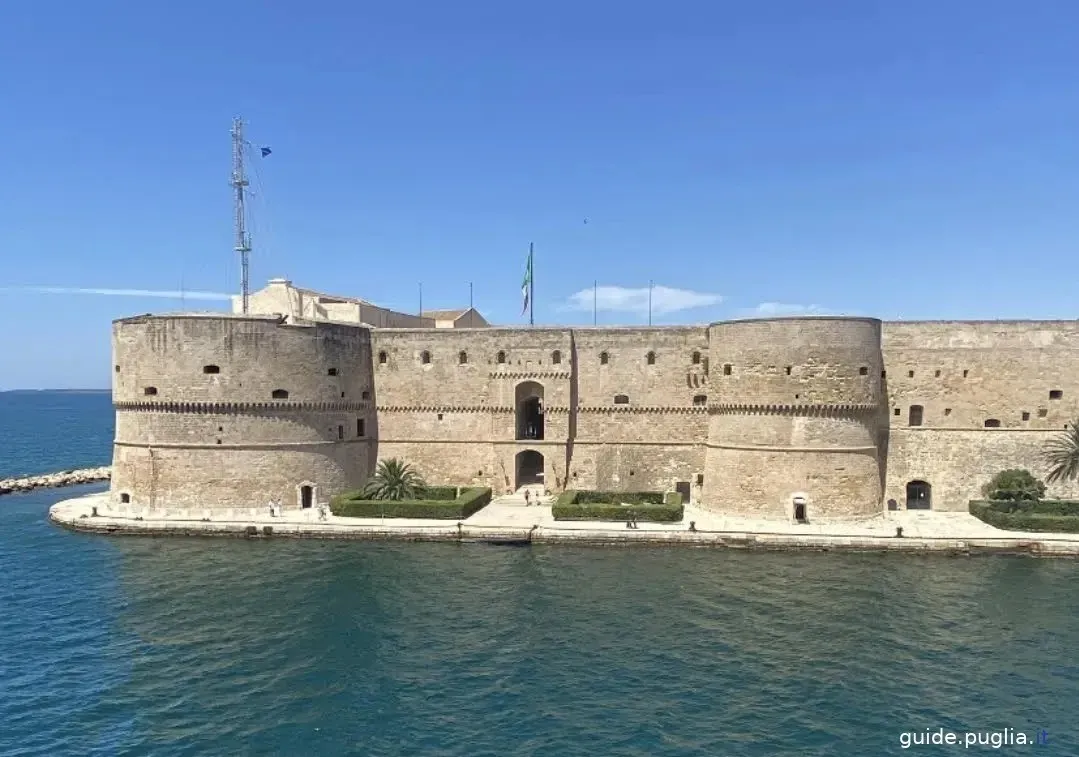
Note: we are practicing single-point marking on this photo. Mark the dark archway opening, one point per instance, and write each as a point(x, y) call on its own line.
point(683, 488)
point(800, 514)
point(529, 396)
point(919, 495)
point(529, 468)
point(306, 496)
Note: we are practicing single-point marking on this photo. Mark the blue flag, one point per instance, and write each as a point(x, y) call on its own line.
point(265, 151)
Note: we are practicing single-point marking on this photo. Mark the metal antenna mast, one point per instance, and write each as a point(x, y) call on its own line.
point(239, 184)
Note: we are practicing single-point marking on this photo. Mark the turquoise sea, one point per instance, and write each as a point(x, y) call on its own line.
point(143, 646)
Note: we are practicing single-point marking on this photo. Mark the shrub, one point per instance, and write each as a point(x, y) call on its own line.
point(1014, 485)
point(1033, 518)
point(650, 507)
point(585, 497)
point(465, 503)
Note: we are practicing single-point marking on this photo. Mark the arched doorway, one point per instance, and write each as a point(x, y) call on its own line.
point(307, 494)
point(919, 495)
point(529, 405)
point(529, 465)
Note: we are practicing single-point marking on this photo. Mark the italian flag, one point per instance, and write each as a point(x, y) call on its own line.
point(526, 285)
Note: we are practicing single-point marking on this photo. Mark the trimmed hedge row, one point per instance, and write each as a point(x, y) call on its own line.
point(1057, 516)
point(650, 507)
point(439, 503)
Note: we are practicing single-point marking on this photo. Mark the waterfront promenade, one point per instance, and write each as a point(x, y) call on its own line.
point(508, 519)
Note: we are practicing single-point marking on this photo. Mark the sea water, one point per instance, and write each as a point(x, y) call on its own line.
point(153, 646)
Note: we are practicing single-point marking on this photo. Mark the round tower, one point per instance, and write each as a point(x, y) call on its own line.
point(219, 411)
point(795, 421)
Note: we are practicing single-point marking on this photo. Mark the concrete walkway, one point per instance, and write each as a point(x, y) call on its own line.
point(509, 519)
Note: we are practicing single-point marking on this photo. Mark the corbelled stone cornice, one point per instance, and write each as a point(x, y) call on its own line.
point(529, 374)
point(818, 409)
point(219, 408)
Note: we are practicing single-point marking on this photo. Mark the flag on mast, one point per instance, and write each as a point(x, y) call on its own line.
point(526, 285)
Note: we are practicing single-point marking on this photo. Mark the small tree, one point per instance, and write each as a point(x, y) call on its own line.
point(395, 480)
point(1016, 485)
point(1061, 455)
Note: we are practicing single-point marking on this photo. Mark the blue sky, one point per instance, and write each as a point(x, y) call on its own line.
point(898, 159)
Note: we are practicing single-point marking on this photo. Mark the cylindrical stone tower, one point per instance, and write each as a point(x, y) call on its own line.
point(220, 412)
point(794, 426)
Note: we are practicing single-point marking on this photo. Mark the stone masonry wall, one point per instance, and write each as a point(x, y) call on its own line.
point(794, 413)
point(745, 414)
point(1022, 374)
point(229, 412)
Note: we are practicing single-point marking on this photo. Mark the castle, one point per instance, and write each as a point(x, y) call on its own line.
point(784, 418)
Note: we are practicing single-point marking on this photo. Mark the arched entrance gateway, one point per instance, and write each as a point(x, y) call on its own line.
point(529, 467)
point(919, 495)
point(529, 406)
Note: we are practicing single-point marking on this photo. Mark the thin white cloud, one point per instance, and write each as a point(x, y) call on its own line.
point(635, 300)
point(164, 294)
point(777, 309)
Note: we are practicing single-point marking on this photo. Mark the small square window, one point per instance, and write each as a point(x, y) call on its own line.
point(1026, 416)
point(910, 374)
point(1042, 412)
point(863, 371)
point(966, 373)
point(1056, 394)
point(898, 411)
point(947, 411)
point(936, 373)
point(727, 369)
point(884, 374)
point(440, 416)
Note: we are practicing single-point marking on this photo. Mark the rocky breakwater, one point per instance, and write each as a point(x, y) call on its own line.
point(53, 480)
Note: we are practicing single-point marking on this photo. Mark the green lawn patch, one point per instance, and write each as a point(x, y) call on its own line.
point(1049, 515)
point(648, 507)
point(439, 502)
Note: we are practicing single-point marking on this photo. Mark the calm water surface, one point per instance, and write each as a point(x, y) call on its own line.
point(138, 646)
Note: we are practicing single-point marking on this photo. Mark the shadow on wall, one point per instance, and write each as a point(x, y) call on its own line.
point(884, 419)
point(370, 414)
point(571, 433)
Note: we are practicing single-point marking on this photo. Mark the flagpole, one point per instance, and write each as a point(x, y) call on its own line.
point(531, 286)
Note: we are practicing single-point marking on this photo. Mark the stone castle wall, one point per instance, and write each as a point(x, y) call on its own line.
point(742, 415)
point(796, 412)
point(229, 412)
point(1023, 375)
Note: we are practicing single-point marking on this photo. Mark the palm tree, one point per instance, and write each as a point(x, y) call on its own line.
point(1061, 455)
point(394, 480)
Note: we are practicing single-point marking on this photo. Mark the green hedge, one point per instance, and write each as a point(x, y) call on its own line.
point(439, 502)
point(650, 507)
point(585, 497)
point(1057, 516)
